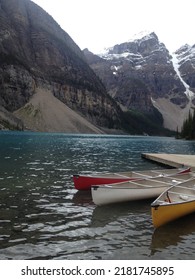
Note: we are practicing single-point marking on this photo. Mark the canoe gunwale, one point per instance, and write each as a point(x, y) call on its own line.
point(136, 184)
point(113, 187)
point(157, 173)
point(165, 203)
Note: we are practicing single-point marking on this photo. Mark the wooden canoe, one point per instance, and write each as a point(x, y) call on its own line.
point(174, 203)
point(134, 190)
point(84, 182)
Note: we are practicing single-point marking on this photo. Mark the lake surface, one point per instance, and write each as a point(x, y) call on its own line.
point(42, 216)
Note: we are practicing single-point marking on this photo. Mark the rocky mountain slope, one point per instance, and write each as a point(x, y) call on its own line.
point(36, 55)
point(142, 75)
point(184, 61)
point(44, 112)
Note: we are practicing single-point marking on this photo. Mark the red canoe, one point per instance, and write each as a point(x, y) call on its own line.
point(84, 182)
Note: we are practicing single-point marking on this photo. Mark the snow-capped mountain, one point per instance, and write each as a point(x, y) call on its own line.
point(142, 75)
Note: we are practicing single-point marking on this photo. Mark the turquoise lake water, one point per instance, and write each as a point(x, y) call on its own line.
point(42, 216)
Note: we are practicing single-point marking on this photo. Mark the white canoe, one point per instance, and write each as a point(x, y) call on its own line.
point(175, 202)
point(135, 190)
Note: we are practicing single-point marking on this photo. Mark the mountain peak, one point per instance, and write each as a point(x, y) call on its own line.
point(141, 44)
point(146, 34)
point(183, 48)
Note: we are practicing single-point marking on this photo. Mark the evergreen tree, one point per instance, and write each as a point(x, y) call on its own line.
point(188, 128)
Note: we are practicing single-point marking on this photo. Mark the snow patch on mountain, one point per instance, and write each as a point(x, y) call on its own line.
point(145, 34)
point(115, 69)
point(111, 56)
point(176, 64)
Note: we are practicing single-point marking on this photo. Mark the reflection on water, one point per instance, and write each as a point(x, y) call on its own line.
point(103, 215)
point(42, 216)
point(82, 198)
point(178, 232)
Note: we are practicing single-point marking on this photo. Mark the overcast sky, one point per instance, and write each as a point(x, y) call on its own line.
point(97, 24)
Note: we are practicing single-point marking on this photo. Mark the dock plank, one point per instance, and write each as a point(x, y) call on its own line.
point(173, 160)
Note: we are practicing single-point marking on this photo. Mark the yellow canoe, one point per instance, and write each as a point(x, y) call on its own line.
point(177, 201)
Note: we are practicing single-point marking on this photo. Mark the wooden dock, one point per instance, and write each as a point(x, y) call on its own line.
point(172, 160)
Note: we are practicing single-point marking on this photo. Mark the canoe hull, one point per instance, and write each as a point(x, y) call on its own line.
point(163, 214)
point(109, 195)
point(85, 182)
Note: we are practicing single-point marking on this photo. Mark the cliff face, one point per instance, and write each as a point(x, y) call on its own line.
point(35, 53)
point(140, 75)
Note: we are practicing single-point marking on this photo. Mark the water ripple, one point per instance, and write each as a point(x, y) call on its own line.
point(42, 216)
